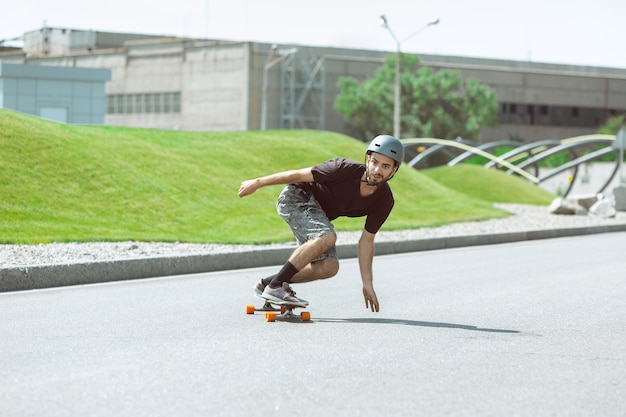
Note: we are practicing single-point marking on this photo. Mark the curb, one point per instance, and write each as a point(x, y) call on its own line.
point(50, 276)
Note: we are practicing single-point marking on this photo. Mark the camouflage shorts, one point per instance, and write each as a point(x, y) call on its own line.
point(305, 217)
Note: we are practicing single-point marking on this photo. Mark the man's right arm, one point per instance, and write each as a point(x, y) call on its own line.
point(285, 177)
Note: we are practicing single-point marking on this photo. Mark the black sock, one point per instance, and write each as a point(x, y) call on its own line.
point(266, 281)
point(284, 275)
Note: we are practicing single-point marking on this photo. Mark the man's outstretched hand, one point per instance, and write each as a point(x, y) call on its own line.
point(248, 187)
point(371, 301)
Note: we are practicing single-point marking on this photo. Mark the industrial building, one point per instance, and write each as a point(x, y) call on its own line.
point(218, 85)
point(67, 95)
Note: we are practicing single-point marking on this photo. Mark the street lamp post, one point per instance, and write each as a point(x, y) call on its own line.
point(396, 93)
point(271, 61)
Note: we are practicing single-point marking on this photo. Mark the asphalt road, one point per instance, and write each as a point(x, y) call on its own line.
point(520, 329)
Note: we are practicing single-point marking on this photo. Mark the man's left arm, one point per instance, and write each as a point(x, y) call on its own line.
point(366, 257)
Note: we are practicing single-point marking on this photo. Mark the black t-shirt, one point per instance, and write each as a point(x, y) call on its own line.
point(336, 187)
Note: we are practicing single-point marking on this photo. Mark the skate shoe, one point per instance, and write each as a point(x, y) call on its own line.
point(259, 288)
point(283, 294)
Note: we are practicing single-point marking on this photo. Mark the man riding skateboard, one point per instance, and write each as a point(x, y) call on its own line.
point(315, 196)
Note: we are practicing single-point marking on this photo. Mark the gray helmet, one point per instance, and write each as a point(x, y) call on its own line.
point(388, 146)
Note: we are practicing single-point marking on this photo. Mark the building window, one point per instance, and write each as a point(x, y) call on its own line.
point(119, 104)
point(530, 111)
point(553, 115)
point(171, 101)
point(143, 103)
point(150, 98)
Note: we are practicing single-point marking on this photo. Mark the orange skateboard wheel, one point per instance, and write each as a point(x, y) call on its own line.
point(270, 316)
point(249, 308)
point(305, 316)
point(283, 309)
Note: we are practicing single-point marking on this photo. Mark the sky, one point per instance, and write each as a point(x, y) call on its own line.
point(577, 32)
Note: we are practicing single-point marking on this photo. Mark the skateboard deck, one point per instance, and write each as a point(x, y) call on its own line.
point(278, 310)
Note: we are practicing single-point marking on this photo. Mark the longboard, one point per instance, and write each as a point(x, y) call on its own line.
point(282, 311)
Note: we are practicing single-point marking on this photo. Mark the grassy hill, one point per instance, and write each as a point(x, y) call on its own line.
point(488, 184)
point(61, 183)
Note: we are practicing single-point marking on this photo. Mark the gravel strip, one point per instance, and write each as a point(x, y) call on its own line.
point(524, 218)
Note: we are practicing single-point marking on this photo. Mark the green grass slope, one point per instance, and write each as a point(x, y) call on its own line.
point(61, 183)
point(489, 185)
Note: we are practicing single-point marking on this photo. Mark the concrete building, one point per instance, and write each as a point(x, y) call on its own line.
point(68, 95)
point(216, 85)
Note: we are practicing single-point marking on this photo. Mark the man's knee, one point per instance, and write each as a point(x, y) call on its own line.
point(328, 240)
point(327, 268)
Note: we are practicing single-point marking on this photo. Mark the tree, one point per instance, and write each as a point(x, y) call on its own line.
point(612, 126)
point(434, 103)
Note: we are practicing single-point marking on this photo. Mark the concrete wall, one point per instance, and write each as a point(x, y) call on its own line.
point(69, 95)
point(216, 90)
point(212, 82)
point(211, 78)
